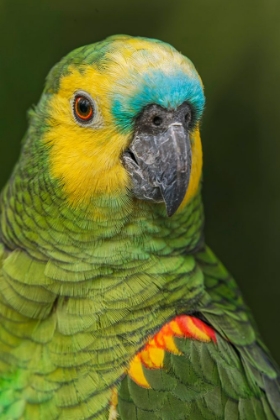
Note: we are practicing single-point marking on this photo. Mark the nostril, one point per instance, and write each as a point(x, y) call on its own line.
point(157, 120)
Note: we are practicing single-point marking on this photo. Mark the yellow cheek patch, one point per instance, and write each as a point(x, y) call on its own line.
point(196, 170)
point(152, 355)
point(86, 159)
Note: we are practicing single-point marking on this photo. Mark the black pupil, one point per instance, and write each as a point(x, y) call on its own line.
point(84, 106)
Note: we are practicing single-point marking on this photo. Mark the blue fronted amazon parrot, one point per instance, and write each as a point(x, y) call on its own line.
point(111, 304)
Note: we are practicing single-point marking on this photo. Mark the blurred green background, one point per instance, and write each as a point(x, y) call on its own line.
point(235, 46)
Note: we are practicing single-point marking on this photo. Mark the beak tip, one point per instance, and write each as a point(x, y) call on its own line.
point(171, 209)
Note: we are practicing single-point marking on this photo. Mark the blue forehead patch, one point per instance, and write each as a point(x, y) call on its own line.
point(168, 90)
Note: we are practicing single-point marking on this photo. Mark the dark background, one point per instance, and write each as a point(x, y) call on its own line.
point(235, 46)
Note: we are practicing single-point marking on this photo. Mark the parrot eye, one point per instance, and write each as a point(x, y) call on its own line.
point(83, 108)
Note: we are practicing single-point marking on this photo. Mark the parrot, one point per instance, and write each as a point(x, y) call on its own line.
point(111, 304)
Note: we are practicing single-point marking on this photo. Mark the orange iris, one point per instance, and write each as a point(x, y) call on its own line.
point(83, 108)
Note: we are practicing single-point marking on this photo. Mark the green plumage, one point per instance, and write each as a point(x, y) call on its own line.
point(81, 293)
point(231, 379)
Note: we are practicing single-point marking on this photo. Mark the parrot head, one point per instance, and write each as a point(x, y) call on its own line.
point(121, 118)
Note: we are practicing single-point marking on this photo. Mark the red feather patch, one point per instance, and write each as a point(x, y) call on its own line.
point(152, 355)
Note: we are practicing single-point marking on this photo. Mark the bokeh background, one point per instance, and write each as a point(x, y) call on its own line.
point(235, 46)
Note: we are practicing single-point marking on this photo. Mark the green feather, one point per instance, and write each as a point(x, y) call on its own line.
point(80, 296)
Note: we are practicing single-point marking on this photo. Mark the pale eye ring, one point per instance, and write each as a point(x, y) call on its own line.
point(84, 109)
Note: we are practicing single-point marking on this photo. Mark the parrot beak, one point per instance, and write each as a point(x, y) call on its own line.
point(160, 164)
point(174, 178)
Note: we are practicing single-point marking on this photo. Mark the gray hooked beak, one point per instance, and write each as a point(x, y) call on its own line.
point(160, 164)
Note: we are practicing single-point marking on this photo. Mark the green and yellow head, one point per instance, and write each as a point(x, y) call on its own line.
point(122, 117)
